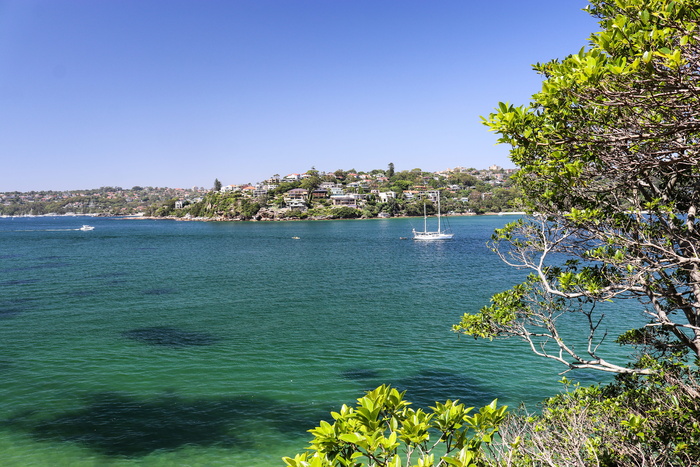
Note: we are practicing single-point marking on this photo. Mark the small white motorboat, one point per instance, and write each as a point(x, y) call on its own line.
point(86, 227)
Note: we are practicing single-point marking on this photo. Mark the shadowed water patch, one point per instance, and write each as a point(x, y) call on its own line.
point(83, 293)
point(117, 282)
point(125, 426)
point(19, 282)
point(13, 307)
point(159, 291)
point(437, 384)
point(45, 265)
point(170, 337)
point(360, 374)
point(6, 313)
point(16, 269)
point(18, 301)
point(43, 262)
point(111, 274)
point(52, 264)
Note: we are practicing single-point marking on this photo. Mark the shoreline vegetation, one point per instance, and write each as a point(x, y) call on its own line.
point(312, 195)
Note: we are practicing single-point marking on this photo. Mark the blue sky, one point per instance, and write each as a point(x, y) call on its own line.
point(180, 92)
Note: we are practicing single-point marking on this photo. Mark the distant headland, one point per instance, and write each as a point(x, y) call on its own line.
point(313, 194)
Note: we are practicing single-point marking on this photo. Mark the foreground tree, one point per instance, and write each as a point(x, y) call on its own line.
point(609, 170)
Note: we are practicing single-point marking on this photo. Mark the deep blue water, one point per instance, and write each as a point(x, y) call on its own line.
point(190, 343)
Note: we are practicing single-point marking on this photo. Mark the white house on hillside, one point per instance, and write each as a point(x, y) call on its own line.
point(385, 196)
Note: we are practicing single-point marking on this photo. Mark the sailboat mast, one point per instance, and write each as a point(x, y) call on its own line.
point(439, 230)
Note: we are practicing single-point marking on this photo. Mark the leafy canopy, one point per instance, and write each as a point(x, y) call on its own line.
point(610, 175)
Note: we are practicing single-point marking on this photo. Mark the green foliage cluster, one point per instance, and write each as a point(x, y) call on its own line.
point(383, 431)
point(215, 204)
point(345, 213)
point(635, 421)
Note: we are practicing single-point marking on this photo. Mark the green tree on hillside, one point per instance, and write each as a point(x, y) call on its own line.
point(408, 176)
point(400, 186)
point(463, 179)
point(312, 182)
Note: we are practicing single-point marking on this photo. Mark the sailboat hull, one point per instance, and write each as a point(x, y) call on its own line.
point(429, 236)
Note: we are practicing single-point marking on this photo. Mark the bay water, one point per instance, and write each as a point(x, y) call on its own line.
point(156, 342)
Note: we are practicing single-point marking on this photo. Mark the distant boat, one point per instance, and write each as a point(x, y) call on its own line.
point(86, 227)
point(438, 234)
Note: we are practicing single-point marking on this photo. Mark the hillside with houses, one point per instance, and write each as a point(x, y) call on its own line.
point(350, 194)
point(106, 201)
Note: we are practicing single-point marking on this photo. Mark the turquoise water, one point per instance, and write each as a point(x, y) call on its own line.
point(185, 343)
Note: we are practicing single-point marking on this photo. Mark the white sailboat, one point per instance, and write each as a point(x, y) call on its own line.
point(438, 234)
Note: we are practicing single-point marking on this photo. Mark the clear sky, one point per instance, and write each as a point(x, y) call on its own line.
point(179, 92)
